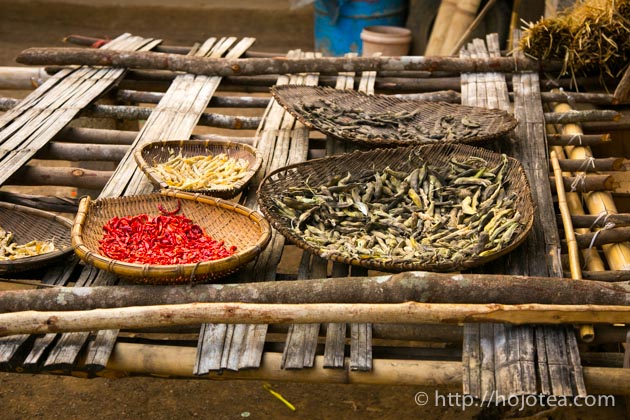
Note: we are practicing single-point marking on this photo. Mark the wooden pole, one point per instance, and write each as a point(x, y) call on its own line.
point(577, 139)
point(142, 113)
point(59, 176)
point(581, 116)
point(414, 286)
point(277, 65)
point(32, 322)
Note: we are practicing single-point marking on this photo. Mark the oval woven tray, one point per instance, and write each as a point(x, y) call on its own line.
point(386, 121)
point(236, 225)
point(29, 224)
point(154, 153)
point(295, 179)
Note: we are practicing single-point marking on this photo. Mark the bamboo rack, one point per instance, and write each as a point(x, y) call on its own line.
point(416, 317)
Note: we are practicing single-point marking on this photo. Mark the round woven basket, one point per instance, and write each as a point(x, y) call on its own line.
point(29, 224)
point(154, 153)
point(492, 123)
point(320, 171)
point(236, 225)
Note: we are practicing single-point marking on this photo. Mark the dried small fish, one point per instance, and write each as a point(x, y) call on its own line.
point(427, 214)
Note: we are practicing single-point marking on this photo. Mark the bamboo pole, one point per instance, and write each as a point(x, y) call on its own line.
point(178, 361)
point(473, 25)
point(441, 26)
point(574, 252)
point(587, 332)
point(600, 202)
point(276, 65)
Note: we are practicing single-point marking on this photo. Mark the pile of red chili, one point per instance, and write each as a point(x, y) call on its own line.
point(164, 239)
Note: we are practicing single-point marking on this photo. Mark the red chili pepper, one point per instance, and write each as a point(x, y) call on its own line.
point(170, 213)
point(164, 239)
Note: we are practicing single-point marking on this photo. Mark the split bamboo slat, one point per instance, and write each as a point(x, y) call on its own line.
point(559, 367)
point(41, 115)
point(496, 354)
point(175, 117)
point(29, 126)
point(282, 141)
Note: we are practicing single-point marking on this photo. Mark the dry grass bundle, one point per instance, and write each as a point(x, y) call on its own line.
point(591, 38)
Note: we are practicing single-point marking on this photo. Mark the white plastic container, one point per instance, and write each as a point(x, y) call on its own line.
point(387, 40)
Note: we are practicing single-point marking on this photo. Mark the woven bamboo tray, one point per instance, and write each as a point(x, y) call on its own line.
point(29, 224)
point(154, 153)
point(236, 225)
point(319, 172)
point(410, 122)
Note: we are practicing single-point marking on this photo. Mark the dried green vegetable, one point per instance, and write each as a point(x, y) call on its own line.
point(10, 250)
point(386, 125)
point(431, 215)
point(202, 172)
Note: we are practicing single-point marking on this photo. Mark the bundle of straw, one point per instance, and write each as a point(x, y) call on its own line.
point(591, 38)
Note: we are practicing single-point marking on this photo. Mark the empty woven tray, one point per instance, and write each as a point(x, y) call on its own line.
point(159, 152)
point(359, 208)
point(386, 121)
point(29, 224)
point(223, 220)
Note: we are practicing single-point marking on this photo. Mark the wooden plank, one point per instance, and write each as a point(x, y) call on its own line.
point(281, 141)
point(502, 357)
point(301, 342)
point(334, 349)
point(211, 340)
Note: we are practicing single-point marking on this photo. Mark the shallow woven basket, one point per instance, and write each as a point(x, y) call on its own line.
point(154, 153)
point(236, 225)
point(494, 123)
point(29, 224)
point(319, 171)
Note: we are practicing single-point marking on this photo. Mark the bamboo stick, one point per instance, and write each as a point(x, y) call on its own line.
point(252, 66)
point(586, 331)
point(31, 322)
point(178, 361)
point(574, 253)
